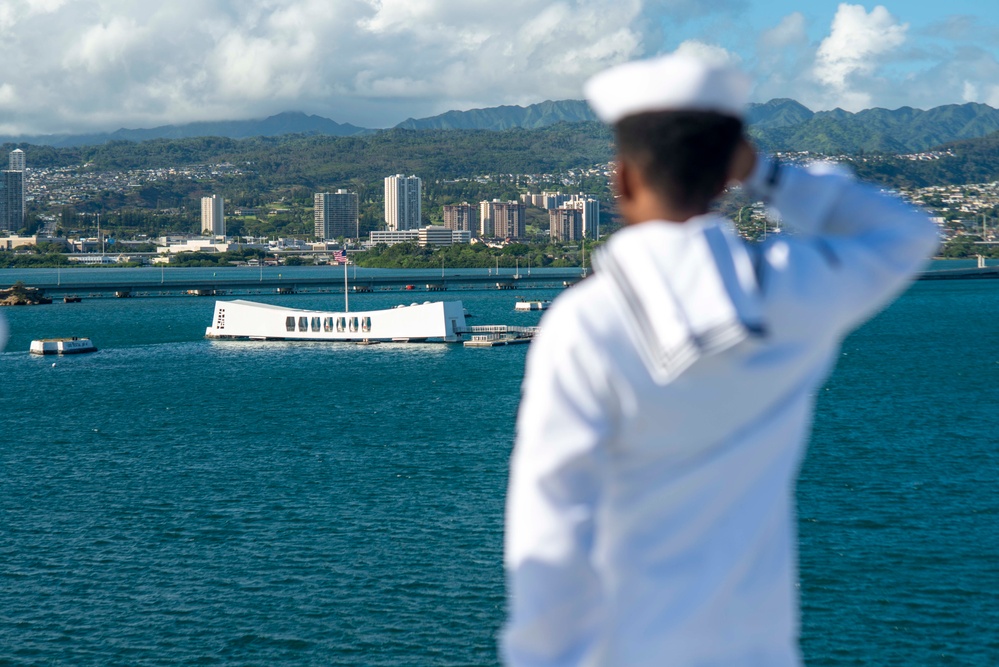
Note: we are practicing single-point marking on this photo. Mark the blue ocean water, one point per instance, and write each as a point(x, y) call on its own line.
point(172, 500)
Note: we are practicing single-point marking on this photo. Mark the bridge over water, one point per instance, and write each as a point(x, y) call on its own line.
point(171, 282)
point(125, 282)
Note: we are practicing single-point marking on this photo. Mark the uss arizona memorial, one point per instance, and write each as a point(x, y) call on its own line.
point(431, 321)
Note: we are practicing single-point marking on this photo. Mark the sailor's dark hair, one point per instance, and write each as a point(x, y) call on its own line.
point(684, 155)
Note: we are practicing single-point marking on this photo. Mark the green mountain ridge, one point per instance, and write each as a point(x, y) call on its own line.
point(291, 122)
point(777, 125)
point(904, 130)
point(532, 117)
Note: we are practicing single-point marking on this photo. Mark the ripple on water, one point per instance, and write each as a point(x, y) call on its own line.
point(171, 500)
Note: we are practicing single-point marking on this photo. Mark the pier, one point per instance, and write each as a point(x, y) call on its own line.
point(498, 335)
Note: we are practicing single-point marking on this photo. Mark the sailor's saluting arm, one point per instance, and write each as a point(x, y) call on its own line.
point(853, 247)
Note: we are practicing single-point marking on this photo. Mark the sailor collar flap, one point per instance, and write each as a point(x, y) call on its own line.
point(688, 290)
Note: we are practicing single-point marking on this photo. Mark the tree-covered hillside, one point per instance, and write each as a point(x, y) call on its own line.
point(321, 161)
point(957, 163)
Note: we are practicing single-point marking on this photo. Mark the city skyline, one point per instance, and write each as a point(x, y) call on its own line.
point(90, 67)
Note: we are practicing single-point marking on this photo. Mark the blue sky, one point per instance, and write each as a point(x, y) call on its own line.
point(95, 65)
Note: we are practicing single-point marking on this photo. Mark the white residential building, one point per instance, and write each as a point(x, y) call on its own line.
point(213, 215)
point(17, 160)
point(590, 208)
point(403, 207)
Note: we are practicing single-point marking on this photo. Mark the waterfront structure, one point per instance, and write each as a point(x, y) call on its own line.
point(213, 215)
point(403, 207)
point(336, 215)
point(431, 235)
point(11, 200)
point(61, 346)
point(502, 219)
point(461, 217)
point(202, 244)
point(440, 320)
point(17, 160)
point(391, 237)
point(566, 224)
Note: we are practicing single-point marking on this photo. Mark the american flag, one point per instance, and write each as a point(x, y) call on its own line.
point(340, 256)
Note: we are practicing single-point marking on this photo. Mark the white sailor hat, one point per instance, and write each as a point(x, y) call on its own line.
point(668, 83)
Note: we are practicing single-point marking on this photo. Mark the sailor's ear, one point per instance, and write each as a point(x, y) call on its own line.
point(624, 175)
point(743, 161)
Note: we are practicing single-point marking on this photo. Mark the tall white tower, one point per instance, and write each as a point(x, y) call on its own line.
point(213, 215)
point(403, 206)
point(17, 160)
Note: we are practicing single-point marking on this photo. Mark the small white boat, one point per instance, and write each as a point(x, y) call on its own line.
point(532, 305)
point(72, 345)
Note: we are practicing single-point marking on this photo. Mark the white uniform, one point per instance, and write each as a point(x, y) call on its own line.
point(650, 517)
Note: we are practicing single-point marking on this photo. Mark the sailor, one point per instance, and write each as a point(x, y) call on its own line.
point(668, 398)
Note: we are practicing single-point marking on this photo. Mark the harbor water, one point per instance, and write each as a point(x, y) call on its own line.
point(171, 500)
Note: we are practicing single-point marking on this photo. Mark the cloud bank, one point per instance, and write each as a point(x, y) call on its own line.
point(93, 63)
point(103, 64)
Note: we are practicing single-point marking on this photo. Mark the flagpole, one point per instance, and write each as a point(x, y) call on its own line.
point(346, 302)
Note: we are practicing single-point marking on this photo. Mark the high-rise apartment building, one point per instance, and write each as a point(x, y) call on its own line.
point(17, 160)
point(12, 193)
point(336, 215)
point(403, 207)
point(566, 224)
point(11, 200)
point(213, 216)
point(590, 209)
point(502, 219)
point(461, 217)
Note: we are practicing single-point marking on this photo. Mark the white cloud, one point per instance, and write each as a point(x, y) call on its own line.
point(853, 50)
point(970, 92)
point(8, 96)
point(102, 64)
point(711, 53)
point(790, 32)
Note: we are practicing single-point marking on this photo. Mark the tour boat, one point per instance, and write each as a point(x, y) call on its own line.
point(72, 345)
point(532, 305)
point(428, 321)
